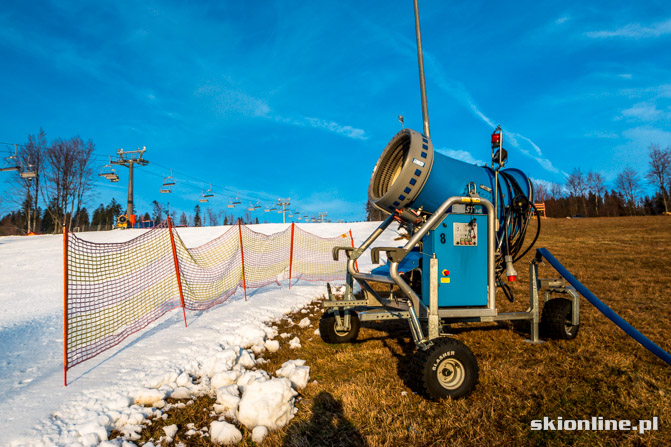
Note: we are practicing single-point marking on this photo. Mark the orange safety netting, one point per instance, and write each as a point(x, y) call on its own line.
point(115, 289)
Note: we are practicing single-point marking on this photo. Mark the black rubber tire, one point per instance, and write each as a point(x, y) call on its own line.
point(327, 328)
point(447, 369)
point(556, 320)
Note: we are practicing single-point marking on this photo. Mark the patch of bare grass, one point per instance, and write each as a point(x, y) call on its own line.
point(362, 394)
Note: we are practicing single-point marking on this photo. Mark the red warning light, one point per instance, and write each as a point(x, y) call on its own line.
point(496, 139)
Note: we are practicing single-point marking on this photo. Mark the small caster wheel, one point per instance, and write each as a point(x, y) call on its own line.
point(329, 333)
point(447, 369)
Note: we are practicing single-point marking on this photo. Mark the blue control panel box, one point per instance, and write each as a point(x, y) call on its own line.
point(460, 244)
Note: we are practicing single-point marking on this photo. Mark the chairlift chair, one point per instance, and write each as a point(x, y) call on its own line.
point(11, 163)
point(208, 193)
point(168, 181)
point(254, 207)
point(109, 173)
point(165, 191)
point(28, 173)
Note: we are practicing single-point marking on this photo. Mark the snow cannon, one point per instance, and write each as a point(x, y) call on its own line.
point(465, 227)
point(411, 179)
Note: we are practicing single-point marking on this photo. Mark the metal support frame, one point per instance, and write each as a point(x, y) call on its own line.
point(375, 307)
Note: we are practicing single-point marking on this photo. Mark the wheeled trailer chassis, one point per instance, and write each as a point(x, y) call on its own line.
point(445, 366)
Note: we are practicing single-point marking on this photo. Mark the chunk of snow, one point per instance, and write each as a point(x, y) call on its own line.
point(89, 440)
point(170, 432)
point(131, 432)
point(149, 397)
point(224, 378)
point(246, 359)
point(250, 377)
point(258, 348)
point(259, 434)
point(272, 345)
point(295, 343)
point(316, 332)
point(160, 380)
point(305, 322)
point(228, 398)
point(224, 361)
point(181, 393)
point(251, 335)
point(268, 403)
point(93, 428)
point(183, 380)
point(223, 433)
point(296, 372)
point(285, 335)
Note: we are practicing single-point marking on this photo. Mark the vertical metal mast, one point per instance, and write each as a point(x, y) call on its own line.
point(128, 159)
point(130, 205)
point(422, 83)
point(284, 203)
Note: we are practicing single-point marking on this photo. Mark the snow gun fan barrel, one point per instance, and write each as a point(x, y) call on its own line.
point(411, 176)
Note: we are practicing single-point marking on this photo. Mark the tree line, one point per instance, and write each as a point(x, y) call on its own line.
point(61, 179)
point(589, 195)
point(60, 185)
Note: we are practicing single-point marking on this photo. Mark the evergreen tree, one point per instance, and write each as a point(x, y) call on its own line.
point(197, 222)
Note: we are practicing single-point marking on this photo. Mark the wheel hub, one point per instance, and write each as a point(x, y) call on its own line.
point(450, 373)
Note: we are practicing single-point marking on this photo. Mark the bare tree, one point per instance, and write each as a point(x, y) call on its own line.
point(597, 186)
point(628, 183)
point(25, 190)
point(66, 179)
point(83, 174)
point(555, 191)
point(212, 218)
point(659, 174)
point(576, 183)
point(183, 221)
point(157, 213)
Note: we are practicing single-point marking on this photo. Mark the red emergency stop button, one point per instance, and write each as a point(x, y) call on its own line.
point(446, 273)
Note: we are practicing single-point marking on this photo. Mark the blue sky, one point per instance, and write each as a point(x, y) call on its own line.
point(298, 99)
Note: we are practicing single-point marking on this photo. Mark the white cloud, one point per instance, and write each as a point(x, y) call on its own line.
point(642, 136)
point(601, 134)
point(462, 155)
point(634, 31)
point(643, 111)
point(318, 123)
point(562, 19)
point(332, 126)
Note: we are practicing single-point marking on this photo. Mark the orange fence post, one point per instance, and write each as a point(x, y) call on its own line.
point(242, 256)
point(356, 263)
point(65, 306)
point(291, 252)
point(179, 277)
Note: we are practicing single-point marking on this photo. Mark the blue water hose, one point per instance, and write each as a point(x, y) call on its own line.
point(607, 311)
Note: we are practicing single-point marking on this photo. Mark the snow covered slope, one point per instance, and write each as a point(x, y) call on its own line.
point(35, 407)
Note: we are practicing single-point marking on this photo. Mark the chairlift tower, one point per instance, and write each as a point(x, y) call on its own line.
point(321, 217)
point(128, 159)
point(284, 203)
